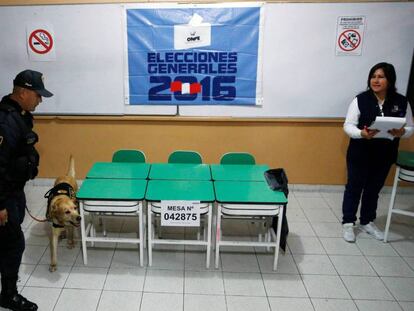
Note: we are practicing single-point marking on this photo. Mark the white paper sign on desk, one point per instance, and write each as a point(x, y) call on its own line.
point(384, 124)
point(180, 213)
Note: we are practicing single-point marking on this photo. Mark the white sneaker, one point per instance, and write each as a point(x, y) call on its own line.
point(348, 232)
point(373, 230)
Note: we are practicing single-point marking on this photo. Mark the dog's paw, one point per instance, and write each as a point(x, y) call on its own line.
point(52, 268)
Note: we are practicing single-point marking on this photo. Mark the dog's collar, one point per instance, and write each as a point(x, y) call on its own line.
point(60, 189)
point(57, 225)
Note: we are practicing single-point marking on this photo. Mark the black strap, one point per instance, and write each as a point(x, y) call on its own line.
point(59, 189)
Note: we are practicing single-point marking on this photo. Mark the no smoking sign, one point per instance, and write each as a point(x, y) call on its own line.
point(349, 40)
point(40, 41)
point(350, 35)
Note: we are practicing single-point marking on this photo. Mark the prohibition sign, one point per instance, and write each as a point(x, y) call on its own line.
point(349, 40)
point(40, 41)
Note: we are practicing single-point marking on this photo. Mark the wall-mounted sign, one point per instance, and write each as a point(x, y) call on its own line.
point(40, 42)
point(350, 34)
point(188, 54)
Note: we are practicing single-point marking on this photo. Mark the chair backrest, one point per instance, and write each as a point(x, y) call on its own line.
point(128, 155)
point(185, 156)
point(237, 158)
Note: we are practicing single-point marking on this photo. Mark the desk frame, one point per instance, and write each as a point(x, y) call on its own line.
point(270, 234)
point(112, 197)
point(207, 235)
point(192, 190)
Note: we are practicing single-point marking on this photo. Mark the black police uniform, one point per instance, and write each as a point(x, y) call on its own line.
point(369, 160)
point(18, 163)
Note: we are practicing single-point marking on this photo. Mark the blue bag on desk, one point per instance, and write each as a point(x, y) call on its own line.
point(277, 180)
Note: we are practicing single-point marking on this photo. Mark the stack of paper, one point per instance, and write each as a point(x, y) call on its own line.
point(384, 124)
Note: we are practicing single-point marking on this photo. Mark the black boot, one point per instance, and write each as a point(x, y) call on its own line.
point(11, 299)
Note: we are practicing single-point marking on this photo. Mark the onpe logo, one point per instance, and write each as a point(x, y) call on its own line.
point(193, 37)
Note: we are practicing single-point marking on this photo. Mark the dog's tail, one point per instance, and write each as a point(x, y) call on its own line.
point(71, 169)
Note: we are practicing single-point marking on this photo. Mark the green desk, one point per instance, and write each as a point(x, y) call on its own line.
point(180, 171)
point(406, 160)
point(249, 199)
point(247, 192)
point(194, 190)
point(237, 172)
point(111, 197)
point(114, 170)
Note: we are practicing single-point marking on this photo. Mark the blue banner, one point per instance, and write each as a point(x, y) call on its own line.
point(194, 56)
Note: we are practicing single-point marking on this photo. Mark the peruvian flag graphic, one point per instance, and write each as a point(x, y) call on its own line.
point(185, 88)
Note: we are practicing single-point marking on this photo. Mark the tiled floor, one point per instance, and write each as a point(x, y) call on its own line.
point(319, 271)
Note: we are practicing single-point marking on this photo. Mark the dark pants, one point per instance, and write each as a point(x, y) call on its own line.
point(12, 242)
point(366, 177)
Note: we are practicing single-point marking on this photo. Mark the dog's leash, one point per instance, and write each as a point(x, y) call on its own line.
point(35, 218)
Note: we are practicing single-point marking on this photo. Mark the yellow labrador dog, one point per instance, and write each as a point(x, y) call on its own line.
point(62, 211)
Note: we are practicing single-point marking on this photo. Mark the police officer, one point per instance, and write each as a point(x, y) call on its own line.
point(18, 163)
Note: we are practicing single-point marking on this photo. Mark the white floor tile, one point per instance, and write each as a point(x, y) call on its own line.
point(320, 215)
point(334, 305)
point(325, 286)
point(204, 303)
point(246, 284)
point(125, 258)
point(296, 214)
point(285, 264)
point(312, 203)
point(410, 261)
point(338, 246)
point(24, 273)
point(327, 229)
point(401, 288)
point(208, 283)
point(97, 257)
point(372, 247)
point(314, 264)
point(44, 298)
point(86, 278)
point(65, 256)
point(33, 253)
point(290, 304)
point(284, 285)
point(404, 247)
point(407, 306)
point(78, 299)
point(366, 287)
point(196, 260)
point(161, 302)
point(125, 279)
point(125, 301)
point(42, 277)
point(305, 245)
point(239, 262)
point(302, 229)
point(167, 259)
point(237, 303)
point(164, 281)
point(352, 265)
point(391, 266)
point(369, 305)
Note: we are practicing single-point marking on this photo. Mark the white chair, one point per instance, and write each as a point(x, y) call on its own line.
point(404, 172)
point(112, 209)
